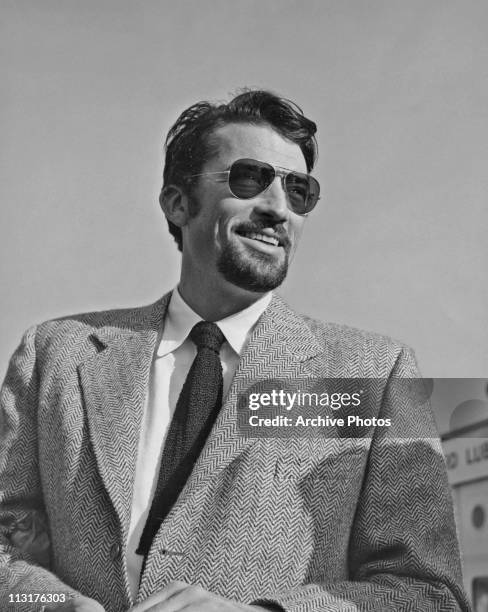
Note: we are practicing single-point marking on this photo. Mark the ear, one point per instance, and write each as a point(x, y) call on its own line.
point(174, 203)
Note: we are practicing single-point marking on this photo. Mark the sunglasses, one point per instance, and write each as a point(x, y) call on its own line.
point(247, 178)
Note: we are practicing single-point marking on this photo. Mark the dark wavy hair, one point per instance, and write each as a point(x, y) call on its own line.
point(188, 145)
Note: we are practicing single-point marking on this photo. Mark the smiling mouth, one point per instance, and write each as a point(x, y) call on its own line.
point(273, 240)
point(263, 238)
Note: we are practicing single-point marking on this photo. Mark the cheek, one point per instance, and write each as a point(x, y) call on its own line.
point(295, 232)
point(218, 234)
point(296, 228)
point(224, 222)
point(214, 235)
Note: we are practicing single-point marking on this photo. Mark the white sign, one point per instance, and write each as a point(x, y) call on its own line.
point(467, 459)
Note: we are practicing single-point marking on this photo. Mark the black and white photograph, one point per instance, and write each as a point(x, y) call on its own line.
point(243, 327)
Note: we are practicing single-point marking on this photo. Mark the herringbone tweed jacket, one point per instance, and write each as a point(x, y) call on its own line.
point(314, 524)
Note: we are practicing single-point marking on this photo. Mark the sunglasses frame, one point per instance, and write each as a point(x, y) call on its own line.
point(279, 171)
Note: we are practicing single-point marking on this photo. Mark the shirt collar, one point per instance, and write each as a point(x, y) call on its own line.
point(236, 328)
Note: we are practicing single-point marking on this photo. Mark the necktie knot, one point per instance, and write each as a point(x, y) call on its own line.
point(207, 335)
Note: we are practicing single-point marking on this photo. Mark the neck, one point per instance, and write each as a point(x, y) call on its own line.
point(214, 303)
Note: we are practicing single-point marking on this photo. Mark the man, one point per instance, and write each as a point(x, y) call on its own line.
point(114, 495)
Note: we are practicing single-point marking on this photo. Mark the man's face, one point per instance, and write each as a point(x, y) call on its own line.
point(235, 240)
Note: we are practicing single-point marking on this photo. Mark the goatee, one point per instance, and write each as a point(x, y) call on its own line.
point(251, 269)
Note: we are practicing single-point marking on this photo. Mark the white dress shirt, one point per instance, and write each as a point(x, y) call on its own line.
point(171, 363)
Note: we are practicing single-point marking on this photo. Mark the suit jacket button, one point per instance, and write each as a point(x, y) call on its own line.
point(115, 550)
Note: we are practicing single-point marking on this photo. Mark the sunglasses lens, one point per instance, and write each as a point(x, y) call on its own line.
point(248, 178)
point(297, 188)
point(303, 192)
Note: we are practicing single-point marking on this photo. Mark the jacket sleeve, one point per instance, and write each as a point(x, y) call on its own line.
point(24, 533)
point(403, 551)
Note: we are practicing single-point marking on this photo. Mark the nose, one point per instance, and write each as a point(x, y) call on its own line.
point(273, 202)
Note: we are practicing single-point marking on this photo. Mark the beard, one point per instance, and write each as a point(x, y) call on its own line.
point(253, 270)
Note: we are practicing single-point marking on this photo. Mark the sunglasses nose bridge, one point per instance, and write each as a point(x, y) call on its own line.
point(282, 174)
point(276, 173)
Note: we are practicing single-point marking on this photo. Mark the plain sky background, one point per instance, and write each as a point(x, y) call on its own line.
point(399, 90)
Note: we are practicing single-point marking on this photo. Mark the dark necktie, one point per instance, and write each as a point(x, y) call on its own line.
point(196, 410)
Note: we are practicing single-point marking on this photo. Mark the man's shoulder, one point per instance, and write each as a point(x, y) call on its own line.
point(350, 351)
point(116, 318)
point(74, 331)
point(347, 335)
point(329, 333)
point(342, 349)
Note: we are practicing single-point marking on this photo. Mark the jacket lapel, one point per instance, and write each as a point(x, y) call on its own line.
point(279, 348)
point(114, 384)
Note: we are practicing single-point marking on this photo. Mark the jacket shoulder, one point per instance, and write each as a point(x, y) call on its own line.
point(357, 352)
point(338, 333)
point(71, 336)
point(122, 318)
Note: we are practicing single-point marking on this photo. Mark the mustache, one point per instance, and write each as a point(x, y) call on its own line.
point(255, 226)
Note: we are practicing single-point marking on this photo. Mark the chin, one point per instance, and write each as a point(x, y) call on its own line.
point(258, 272)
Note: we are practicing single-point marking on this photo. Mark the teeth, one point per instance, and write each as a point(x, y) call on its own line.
point(264, 238)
